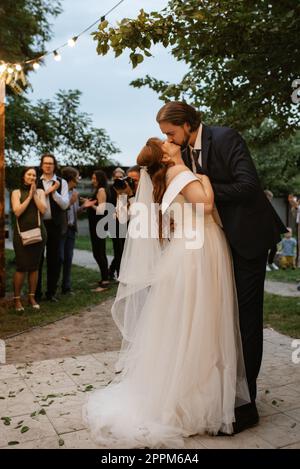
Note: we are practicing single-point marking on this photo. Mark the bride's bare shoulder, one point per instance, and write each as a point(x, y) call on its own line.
point(173, 171)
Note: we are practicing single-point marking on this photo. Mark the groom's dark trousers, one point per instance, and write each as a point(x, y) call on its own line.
point(251, 226)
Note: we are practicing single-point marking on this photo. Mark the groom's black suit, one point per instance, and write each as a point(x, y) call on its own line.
point(251, 226)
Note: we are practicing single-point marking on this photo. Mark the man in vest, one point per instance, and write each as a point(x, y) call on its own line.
point(57, 198)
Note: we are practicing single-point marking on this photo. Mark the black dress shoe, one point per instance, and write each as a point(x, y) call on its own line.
point(246, 416)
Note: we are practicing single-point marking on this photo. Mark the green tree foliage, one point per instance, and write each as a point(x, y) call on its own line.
point(278, 163)
point(242, 55)
point(25, 27)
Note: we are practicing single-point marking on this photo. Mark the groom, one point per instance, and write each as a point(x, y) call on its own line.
point(249, 221)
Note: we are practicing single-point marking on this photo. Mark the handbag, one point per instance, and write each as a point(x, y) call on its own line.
point(32, 236)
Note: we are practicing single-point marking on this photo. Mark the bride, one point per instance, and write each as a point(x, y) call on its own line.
point(181, 357)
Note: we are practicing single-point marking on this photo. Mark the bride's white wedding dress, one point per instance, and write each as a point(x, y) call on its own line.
point(183, 370)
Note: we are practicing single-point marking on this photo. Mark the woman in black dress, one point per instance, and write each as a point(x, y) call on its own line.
point(96, 210)
point(28, 204)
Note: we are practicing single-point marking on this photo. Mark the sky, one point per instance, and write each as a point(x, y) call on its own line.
point(126, 113)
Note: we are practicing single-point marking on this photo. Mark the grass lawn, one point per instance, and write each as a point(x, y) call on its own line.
point(83, 280)
point(282, 314)
point(83, 242)
point(284, 275)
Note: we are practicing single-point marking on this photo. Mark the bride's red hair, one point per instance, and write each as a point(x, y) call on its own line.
point(151, 156)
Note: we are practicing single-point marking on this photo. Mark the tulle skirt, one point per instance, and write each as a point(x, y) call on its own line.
point(183, 374)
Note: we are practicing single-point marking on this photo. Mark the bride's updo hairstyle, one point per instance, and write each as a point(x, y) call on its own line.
point(151, 156)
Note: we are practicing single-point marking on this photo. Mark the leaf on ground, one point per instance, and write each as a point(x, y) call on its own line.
point(11, 443)
point(88, 388)
point(61, 442)
point(24, 429)
point(47, 405)
point(6, 420)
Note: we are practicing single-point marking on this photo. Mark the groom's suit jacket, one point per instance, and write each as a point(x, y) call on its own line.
point(249, 221)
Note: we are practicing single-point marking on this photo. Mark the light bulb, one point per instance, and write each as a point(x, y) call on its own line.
point(18, 67)
point(57, 56)
point(10, 70)
point(72, 41)
point(36, 66)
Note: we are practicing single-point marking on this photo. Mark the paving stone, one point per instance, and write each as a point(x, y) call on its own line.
point(79, 440)
point(38, 428)
point(244, 440)
point(41, 443)
point(279, 430)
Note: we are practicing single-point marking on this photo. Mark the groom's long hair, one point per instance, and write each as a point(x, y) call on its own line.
point(177, 113)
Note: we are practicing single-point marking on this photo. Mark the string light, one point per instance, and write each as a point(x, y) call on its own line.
point(14, 72)
point(57, 56)
point(72, 41)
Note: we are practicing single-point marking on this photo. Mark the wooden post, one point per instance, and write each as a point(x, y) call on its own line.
point(298, 243)
point(2, 188)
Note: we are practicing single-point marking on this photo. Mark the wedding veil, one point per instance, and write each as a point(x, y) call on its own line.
point(140, 256)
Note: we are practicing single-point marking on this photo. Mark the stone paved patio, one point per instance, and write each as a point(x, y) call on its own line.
point(41, 401)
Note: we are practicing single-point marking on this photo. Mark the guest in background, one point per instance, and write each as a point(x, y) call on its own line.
point(126, 195)
point(134, 173)
point(272, 253)
point(288, 253)
point(295, 209)
point(57, 200)
point(117, 240)
point(71, 175)
point(96, 207)
point(118, 173)
point(28, 204)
